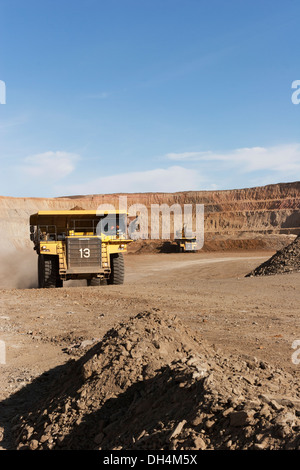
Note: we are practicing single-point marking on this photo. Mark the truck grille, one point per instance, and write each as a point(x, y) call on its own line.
point(84, 255)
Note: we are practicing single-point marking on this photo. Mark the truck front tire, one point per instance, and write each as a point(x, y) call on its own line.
point(117, 269)
point(48, 272)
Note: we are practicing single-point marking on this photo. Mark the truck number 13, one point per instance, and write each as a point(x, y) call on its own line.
point(85, 252)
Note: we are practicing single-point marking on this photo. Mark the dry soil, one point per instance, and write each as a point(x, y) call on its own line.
point(44, 330)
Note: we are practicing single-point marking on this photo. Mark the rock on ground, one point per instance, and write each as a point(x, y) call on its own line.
point(152, 383)
point(286, 260)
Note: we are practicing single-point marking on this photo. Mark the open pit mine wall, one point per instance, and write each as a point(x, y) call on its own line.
point(231, 214)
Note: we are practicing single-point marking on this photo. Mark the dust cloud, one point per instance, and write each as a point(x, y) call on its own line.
point(18, 269)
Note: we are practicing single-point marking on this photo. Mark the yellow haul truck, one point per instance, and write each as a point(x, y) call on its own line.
point(186, 244)
point(186, 241)
point(79, 244)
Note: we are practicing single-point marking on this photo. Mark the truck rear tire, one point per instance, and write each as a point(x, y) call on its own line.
point(48, 272)
point(117, 269)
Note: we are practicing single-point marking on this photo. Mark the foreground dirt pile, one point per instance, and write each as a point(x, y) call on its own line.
point(286, 260)
point(151, 383)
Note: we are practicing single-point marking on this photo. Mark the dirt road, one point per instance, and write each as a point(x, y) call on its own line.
point(42, 329)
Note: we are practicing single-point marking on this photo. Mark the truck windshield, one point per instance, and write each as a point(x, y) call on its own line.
point(112, 225)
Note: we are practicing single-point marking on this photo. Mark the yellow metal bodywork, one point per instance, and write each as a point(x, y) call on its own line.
point(58, 248)
point(110, 244)
point(186, 244)
point(70, 213)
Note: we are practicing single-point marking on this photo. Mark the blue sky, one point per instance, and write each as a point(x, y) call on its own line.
point(147, 95)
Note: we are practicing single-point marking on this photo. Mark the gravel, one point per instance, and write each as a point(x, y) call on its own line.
point(286, 260)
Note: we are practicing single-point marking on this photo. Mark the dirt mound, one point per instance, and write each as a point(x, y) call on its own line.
point(286, 260)
point(152, 384)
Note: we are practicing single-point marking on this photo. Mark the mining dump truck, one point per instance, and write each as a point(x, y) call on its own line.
point(79, 244)
point(186, 241)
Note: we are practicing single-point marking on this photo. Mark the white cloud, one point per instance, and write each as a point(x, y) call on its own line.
point(49, 165)
point(172, 179)
point(282, 159)
point(242, 167)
